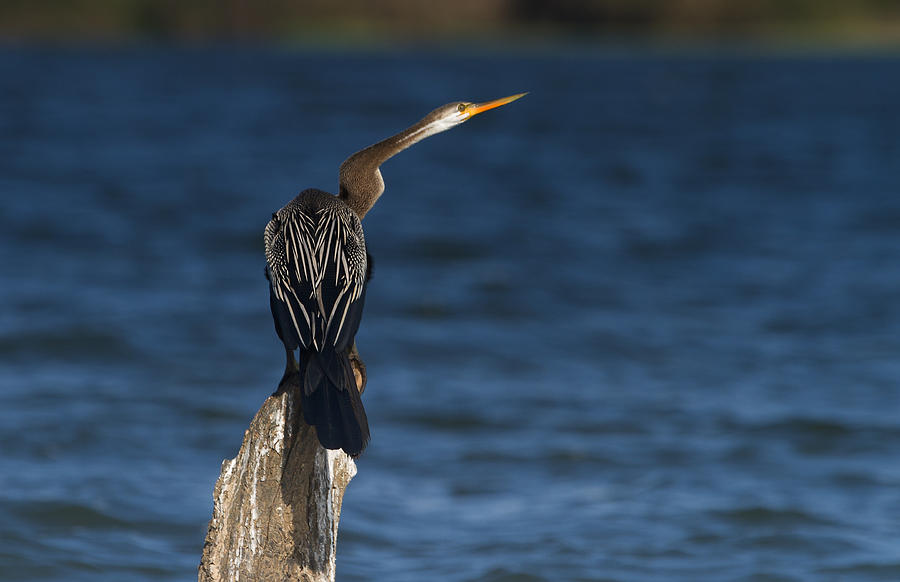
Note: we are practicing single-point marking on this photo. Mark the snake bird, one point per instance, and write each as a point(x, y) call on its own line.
point(318, 269)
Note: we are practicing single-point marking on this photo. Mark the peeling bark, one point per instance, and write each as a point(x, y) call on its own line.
point(278, 503)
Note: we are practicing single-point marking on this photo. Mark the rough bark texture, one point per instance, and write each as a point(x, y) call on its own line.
point(278, 503)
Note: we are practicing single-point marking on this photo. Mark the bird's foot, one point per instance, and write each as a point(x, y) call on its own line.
point(359, 368)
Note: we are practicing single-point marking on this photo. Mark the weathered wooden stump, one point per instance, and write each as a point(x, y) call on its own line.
point(278, 503)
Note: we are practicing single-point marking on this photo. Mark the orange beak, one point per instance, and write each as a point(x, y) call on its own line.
point(477, 108)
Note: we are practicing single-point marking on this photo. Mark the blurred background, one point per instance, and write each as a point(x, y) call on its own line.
point(861, 21)
point(641, 325)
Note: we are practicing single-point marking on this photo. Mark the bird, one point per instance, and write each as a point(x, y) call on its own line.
point(318, 270)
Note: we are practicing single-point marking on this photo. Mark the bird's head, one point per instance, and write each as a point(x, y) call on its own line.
point(360, 178)
point(452, 114)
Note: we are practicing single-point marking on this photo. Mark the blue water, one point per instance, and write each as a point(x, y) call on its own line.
point(642, 325)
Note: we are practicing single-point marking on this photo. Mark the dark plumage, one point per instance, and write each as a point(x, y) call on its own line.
point(317, 266)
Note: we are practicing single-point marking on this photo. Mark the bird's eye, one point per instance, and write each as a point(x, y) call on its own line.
point(461, 107)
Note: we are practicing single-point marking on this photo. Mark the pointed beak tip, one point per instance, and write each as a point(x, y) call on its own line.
point(482, 107)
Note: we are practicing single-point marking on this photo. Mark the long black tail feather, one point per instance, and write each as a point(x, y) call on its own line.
point(331, 401)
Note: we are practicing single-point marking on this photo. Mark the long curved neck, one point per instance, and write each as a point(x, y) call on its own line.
point(361, 183)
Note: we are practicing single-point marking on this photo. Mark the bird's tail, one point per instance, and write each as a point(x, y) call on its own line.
point(331, 401)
